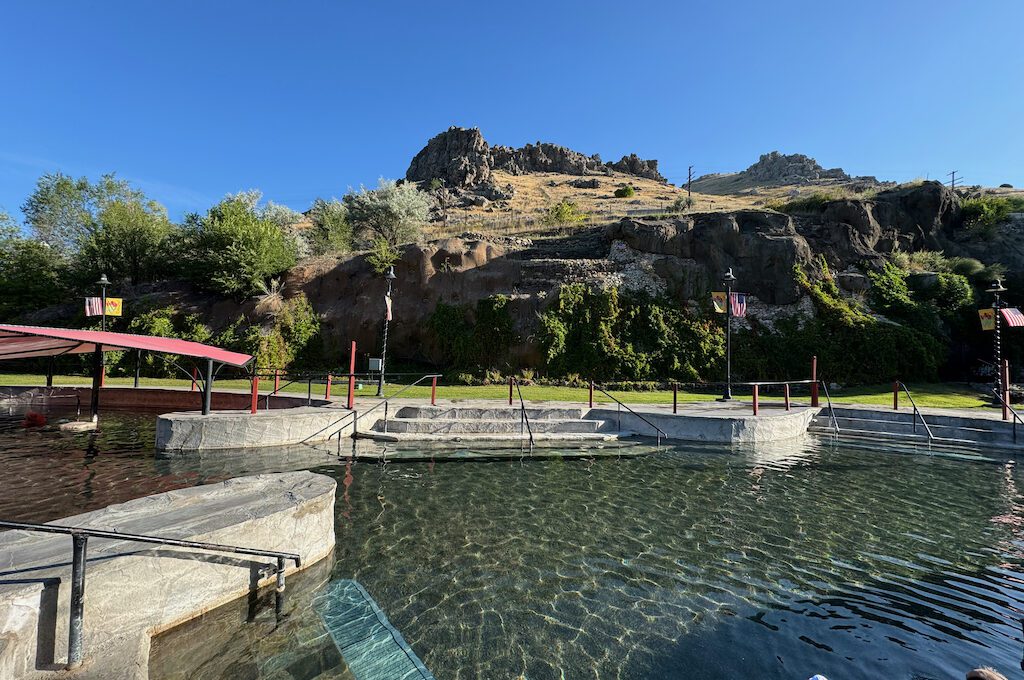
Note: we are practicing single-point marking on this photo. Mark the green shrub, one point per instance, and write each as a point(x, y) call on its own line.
point(234, 250)
point(478, 338)
point(393, 212)
point(564, 212)
point(625, 192)
point(382, 255)
point(983, 214)
point(331, 233)
point(682, 204)
point(32, 275)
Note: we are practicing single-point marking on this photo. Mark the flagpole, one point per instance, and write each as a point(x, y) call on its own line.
point(729, 279)
point(390, 276)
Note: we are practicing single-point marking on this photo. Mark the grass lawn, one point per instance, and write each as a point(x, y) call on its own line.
point(936, 395)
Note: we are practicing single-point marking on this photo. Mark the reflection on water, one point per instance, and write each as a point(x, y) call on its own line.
point(700, 561)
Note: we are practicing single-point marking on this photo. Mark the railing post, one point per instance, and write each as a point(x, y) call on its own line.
point(103, 376)
point(352, 377)
point(510, 379)
point(138, 366)
point(814, 380)
point(591, 397)
point(208, 387)
point(309, 391)
point(1005, 368)
point(79, 543)
point(675, 398)
point(277, 380)
point(786, 390)
point(327, 390)
point(895, 395)
point(49, 373)
point(433, 391)
point(755, 400)
point(255, 393)
point(195, 376)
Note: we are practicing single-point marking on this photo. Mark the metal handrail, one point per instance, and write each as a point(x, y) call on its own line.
point(917, 412)
point(523, 416)
point(831, 410)
point(79, 538)
point(1016, 416)
point(661, 432)
point(384, 402)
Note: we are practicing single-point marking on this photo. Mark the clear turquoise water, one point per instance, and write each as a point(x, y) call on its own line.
point(699, 561)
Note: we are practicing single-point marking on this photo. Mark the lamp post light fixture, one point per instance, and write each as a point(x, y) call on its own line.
point(103, 283)
point(996, 288)
point(728, 279)
point(390, 277)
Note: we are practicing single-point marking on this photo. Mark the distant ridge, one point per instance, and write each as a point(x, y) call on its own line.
point(775, 169)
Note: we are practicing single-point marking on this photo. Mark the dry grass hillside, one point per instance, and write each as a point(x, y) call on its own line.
point(536, 193)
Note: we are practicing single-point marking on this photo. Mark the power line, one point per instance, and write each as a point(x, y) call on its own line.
point(952, 180)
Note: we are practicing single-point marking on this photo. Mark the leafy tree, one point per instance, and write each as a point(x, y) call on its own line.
point(32, 276)
point(392, 211)
point(63, 211)
point(625, 192)
point(331, 232)
point(129, 243)
point(234, 249)
point(9, 228)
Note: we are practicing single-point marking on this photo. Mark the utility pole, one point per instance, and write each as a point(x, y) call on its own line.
point(689, 181)
point(952, 180)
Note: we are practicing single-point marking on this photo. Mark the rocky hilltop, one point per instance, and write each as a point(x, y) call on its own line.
point(462, 158)
point(776, 169)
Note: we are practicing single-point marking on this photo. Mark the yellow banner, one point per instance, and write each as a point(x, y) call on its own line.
point(988, 319)
point(114, 306)
point(718, 299)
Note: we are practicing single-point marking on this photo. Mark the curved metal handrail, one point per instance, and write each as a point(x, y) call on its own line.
point(523, 417)
point(831, 410)
point(1016, 416)
point(917, 412)
point(384, 402)
point(661, 432)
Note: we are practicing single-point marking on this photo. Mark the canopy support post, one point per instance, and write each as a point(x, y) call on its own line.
point(97, 381)
point(49, 373)
point(208, 387)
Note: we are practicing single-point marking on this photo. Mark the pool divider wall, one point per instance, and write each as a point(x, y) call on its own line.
point(134, 591)
point(728, 429)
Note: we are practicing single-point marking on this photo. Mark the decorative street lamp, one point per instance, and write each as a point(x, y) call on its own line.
point(390, 276)
point(996, 288)
point(728, 279)
point(103, 283)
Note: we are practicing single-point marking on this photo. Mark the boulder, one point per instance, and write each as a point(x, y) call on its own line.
point(634, 165)
point(458, 156)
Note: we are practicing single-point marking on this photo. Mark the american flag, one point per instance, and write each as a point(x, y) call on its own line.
point(387, 307)
point(1012, 316)
point(93, 306)
point(739, 304)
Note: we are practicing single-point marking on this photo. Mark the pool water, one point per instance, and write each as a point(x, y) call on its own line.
point(698, 561)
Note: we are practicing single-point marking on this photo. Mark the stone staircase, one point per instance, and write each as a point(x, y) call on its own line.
point(457, 423)
point(956, 431)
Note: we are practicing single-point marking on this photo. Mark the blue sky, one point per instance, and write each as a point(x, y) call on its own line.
point(192, 99)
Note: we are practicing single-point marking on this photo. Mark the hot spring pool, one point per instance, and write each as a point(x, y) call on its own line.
point(699, 561)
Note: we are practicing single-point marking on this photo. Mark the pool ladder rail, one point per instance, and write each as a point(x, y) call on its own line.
point(79, 542)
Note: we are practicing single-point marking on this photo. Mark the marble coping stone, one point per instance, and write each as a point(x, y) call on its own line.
point(193, 431)
point(136, 590)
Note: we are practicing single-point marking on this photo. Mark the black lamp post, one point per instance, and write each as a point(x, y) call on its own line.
point(728, 279)
point(996, 288)
point(103, 283)
point(390, 276)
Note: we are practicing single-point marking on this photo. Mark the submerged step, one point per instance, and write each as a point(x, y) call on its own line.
point(445, 426)
point(489, 413)
point(372, 648)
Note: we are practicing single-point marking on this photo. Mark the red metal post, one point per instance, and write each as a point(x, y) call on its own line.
point(786, 390)
point(255, 393)
point(895, 396)
point(510, 379)
point(814, 380)
point(277, 379)
point(103, 376)
point(327, 390)
point(755, 400)
point(1005, 368)
point(352, 376)
point(675, 398)
point(590, 399)
point(433, 391)
point(195, 376)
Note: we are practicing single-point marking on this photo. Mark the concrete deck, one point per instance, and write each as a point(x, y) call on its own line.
point(134, 591)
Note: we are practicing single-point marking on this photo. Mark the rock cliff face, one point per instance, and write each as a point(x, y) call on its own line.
point(777, 168)
point(461, 158)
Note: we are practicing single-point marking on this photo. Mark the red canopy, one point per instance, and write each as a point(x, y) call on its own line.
point(20, 342)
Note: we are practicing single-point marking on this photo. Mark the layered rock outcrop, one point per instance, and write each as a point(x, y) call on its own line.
point(461, 158)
